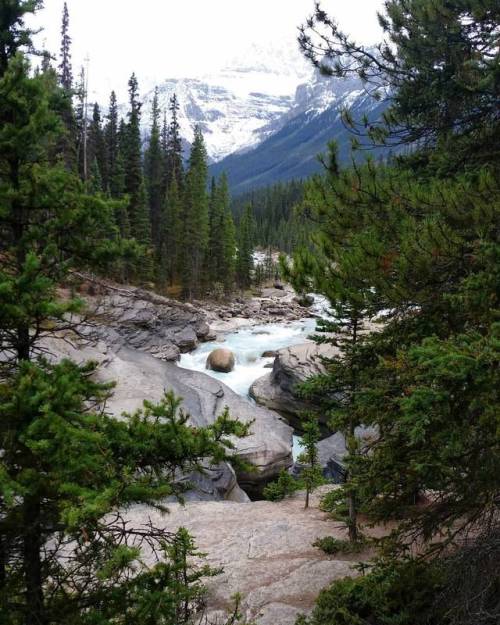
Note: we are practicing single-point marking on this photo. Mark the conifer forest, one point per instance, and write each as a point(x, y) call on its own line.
point(249, 314)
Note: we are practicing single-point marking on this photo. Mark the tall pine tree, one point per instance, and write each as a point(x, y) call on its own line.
point(65, 68)
point(134, 179)
point(195, 221)
point(154, 166)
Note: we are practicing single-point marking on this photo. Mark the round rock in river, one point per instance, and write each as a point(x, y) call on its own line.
point(221, 360)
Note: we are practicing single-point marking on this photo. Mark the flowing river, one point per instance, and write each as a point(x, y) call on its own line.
point(248, 344)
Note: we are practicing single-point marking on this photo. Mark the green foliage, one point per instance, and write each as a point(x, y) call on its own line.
point(283, 487)
point(278, 223)
point(312, 474)
point(244, 257)
point(73, 470)
point(390, 594)
point(221, 254)
point(333, 546)
point(413, 244)
point(195, 220)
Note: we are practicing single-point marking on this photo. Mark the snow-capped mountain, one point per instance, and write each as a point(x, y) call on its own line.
point(240, 105)
point(266, 115)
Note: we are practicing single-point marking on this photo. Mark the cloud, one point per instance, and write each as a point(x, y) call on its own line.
point(161, 39)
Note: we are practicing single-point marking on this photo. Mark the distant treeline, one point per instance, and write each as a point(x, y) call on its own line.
point(279, 221)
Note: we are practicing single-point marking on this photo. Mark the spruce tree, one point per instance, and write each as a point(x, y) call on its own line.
point(65, 69)
point(16, 36)
point(134, 180)
point(229, 250)
point(312, 475)
point(175, 160)
point(97, 149)
point(171, 243)
point(415, 238)
point(113, 181)
point(244, 258)
point(195, 220)
point(153, 171)
point(215, 242)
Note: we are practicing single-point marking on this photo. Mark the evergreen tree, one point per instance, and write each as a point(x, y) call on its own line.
point(134, 180)
point(244, 258)
point(171, 235)
point(229, 249)
point(216, 229)
point(16, 36)
point(312, 475)
point(174, 164)
point(195, 220)
point(415, 238)
point(65, 69)
point(438, 68)
point(97, 149)
point(114, 179)
point(153, 169)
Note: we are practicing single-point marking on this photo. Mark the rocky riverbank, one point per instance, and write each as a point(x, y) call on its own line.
point(269, 305)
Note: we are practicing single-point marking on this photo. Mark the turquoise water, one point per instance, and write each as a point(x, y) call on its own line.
point(248, 345)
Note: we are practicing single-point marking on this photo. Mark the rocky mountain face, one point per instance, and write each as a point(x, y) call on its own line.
point(265, 116)
point(239, 105)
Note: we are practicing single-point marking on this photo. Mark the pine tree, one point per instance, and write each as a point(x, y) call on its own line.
point(153, 171)
point(134, 180)
point(401, 236)
point(195, 220)
point(229, 250)
point(65, 69)
point(97, 149)
point(312, 475)
point(171, 236)
point(114, 179)
point(174, 164)
point(16, 36)
point(244, 258)
point(67, 468)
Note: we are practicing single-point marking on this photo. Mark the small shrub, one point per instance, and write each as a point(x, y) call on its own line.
point(332, 545)
point(393, 593)
point(283, 487)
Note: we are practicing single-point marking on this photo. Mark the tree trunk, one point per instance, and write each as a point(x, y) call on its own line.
point(353, 519)
point(32, 542)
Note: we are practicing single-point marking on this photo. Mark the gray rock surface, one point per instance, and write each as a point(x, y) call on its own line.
point(221, 359)
point(332, 452)
point(266, 551)
point(292, 365)
point(149, 322)
point(140, 376)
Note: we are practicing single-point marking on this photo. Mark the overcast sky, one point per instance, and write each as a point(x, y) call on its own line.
point(161, 39)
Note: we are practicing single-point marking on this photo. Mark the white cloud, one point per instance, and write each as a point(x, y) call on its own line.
point(159, 39)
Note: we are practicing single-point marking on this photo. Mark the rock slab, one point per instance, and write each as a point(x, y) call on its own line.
point(266, 552)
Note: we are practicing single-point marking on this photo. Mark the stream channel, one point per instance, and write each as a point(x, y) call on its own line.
point(248, 344)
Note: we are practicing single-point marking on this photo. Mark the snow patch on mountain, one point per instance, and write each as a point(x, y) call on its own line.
point(251, 98)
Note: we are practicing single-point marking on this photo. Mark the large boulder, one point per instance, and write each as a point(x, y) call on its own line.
point(221, 360)
point(292, 366)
